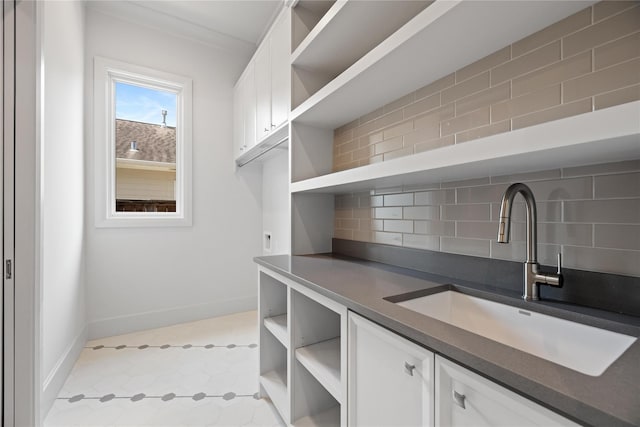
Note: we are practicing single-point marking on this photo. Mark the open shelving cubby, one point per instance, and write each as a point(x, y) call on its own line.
point(318, 362)
point(303, 352)
point(392, 69)
point(274, 341)
point(323, 54)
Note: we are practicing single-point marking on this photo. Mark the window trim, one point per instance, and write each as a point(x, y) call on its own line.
point(106, 73)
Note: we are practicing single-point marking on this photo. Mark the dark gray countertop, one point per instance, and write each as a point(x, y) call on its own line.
point(610, 399)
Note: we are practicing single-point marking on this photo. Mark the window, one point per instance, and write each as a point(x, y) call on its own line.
point(142, 131)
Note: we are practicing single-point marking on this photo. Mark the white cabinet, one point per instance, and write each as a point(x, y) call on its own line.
point(464, 398)
point(280, 70)
point(261, 96)
point(238, 121)
point(244, 112)
point(263, 90)
point(390, 379)
point(272, 78)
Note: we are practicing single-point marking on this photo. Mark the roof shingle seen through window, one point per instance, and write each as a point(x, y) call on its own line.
point(155, 142)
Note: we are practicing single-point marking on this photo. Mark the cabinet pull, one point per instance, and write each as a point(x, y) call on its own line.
point(459, 399)
point(272, 125)
point(266, 130)
point(409, 368)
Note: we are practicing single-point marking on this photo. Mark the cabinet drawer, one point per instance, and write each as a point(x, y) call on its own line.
point(464, 398)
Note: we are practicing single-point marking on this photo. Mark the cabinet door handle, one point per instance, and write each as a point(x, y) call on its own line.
point(266, 130)
point(409, 368)
point(272, 125)
point(459, 399)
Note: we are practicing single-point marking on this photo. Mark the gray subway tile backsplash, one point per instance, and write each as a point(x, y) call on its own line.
point(478, 212)
point(591, 213)
point(422, 212)
point(616, 211)
point(617, 236)
point(592, 216)
point(474, 247)
point(603, 260)
point(404, 199)
point(563, 189)
point(612, 186)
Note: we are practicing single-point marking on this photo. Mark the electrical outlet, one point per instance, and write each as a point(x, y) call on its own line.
point(267, 241)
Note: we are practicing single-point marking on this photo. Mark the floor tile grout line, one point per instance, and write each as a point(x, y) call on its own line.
point(166, 346)
point(166, 397)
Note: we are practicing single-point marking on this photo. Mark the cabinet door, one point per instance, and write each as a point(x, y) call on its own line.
point(238, 120)
point(464, 398)
point(390, 379)
point(280, 69)
point(263, 90)
point(249, 106)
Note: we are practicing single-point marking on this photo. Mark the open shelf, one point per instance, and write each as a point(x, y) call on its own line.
point(275, 384)
point(324, 49)
point(330, 417)
point(607, 135)
point(436, 34)
point(322, 360)
point(305, 16)
point(278, 327)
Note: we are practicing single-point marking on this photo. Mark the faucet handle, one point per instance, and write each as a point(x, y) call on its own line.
point(559, 263)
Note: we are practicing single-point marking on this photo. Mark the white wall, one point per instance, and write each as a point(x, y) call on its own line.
point(63, 330)
point(149, 277)
point(275, 201)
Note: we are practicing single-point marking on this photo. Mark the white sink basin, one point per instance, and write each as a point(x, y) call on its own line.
point(583, 348)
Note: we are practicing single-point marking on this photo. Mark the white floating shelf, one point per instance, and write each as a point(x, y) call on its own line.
point(446, 36)
point(322, 360)
point(275, 384)
point(328, 418)
point(607, 135)
point(277, 325)
point(324, 49)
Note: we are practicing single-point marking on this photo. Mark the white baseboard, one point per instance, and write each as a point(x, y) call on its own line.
point(58, 375)
point(157, 319)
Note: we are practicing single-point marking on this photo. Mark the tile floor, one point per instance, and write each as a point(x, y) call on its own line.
point(201, 373)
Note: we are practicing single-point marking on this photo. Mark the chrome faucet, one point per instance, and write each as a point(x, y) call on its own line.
point(532, 276)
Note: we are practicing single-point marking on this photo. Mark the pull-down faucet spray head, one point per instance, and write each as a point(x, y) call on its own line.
point(504, 228)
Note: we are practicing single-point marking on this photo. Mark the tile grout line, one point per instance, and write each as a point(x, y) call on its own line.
point(165, 346)
point(166, 397)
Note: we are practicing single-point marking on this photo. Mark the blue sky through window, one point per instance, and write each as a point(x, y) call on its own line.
point(142, 104)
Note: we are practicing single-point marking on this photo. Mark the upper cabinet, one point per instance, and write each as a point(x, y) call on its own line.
point(264, 89)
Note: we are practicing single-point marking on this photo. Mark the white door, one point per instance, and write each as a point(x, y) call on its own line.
point(280, 69)
point(390, 379)
point(20, 136)
point(6, 214)
point(2, 118)
point(263, 91)
point(249, 106)
point(238, 121)
point(464, 398)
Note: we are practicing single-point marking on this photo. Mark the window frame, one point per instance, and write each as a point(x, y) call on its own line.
point(106, 73)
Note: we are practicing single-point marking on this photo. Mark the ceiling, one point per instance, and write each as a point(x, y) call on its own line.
point(228, 24)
